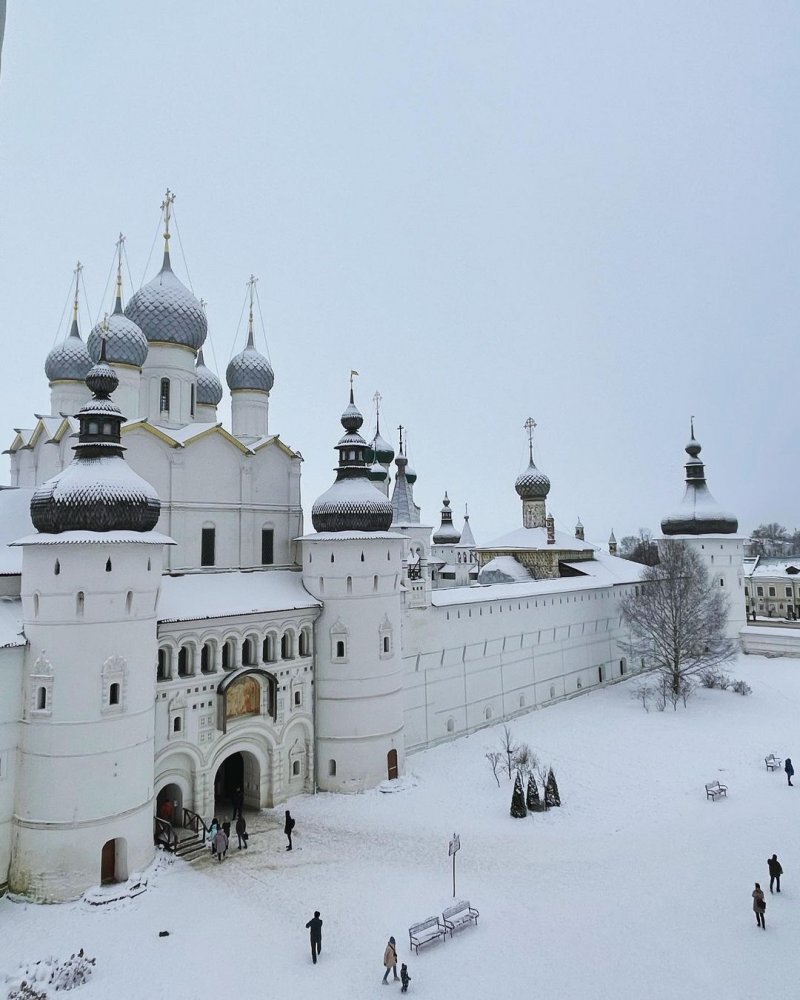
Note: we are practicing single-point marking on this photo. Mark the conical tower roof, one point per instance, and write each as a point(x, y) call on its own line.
point(699, 513)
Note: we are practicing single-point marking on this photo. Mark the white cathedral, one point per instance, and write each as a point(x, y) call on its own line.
point(170, 636)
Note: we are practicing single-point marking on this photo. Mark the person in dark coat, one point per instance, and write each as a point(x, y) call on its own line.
point(775, 872)
point(237, 801)
point(288, 826)
point(220, 844)
point(759, 906)
point(212, 833)
point(789, 769)
point(405, 979)
point(390, 960)
point(226, 826)
point(241, 832)
point(315, 930)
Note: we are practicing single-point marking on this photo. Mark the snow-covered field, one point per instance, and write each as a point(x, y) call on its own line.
point(638, 887)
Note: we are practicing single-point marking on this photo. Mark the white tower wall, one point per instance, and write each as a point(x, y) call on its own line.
point(723, 557)
point(86, 763)
point(249, 414)
point(67, 397)
point(359, 696)
point(176, 363)
point(127, 395)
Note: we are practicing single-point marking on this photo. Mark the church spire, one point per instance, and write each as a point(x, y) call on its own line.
point(77, 272)
point(118, 290)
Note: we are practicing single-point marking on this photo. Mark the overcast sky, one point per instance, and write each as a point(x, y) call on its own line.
point(582, 212)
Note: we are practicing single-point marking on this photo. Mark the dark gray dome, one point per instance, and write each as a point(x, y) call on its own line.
point(250, 370)
point(209, 387)
point(377, 473)
point(447, 533)
point(532, 484)
point(167, 312)
point(699, 513)
point(125, 342)
point(69, 361)
point(98, 491)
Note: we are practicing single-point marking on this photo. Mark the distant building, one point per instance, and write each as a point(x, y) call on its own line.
point(772, 586)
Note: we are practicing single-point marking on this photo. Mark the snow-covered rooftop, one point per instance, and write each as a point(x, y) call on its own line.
point(536, 538)
point(788, 566)
point(218, 595)
point(95, 538)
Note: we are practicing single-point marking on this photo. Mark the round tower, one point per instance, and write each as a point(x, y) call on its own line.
point(175, 326)
point(712, 533)
point(250, 378)
point(90, 578)
point(353, 565)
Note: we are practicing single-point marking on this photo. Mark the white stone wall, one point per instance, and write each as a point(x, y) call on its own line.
point(11, 671)
point(177, 364)
point(359, 695)
point(468, 665)
point(723, 557)
point(85, 762)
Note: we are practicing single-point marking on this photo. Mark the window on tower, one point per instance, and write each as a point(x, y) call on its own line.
point(267, 546)
point(207, 546)
point(163, 399)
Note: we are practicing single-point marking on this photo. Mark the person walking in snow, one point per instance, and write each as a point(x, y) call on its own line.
point(390, 960)
point(288, 826)
point(405, 979)
point(241, 831)
point(759, 906)
point(226, 826)
point(220, 844)
point(212, 833)
point(315, 931)
point(237, 801)
point(789, 769)
point(775, 872)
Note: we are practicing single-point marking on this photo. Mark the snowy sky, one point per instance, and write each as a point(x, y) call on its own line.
point(583, 212)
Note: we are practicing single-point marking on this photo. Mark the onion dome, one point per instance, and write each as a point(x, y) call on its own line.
point(381, 449)
point(699, 513)
point(532, 484)
point(98, 490)
point(353, 503)
point(69, 361)
point(447, 533)
point(125, 342)
point(209, 387)
point(411, 475)
point(250, 369)
point(377, 473)
point(167, 312)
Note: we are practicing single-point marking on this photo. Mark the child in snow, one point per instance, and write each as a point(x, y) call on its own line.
point(404, 978)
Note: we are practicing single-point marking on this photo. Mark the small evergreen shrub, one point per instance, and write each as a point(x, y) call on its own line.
point(518, 810)
point(741, 687)
point(551, 793)
point(532, 800)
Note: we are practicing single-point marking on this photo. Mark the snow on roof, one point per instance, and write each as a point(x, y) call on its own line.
point(332, 536)
point(773, 566)
point(11, 633)
point(15, 520)
point(219, 595)
point(503, 569)
point(95, 537)
point(536, 538)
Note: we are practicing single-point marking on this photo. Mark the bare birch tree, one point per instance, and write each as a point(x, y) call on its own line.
point(676, 619)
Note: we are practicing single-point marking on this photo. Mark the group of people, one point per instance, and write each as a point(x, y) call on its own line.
point(759, 900)
point(219, 834)
point(314, 927)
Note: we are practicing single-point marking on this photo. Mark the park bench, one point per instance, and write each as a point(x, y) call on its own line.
point(714, 789)
point(773, 763)
point(459, 915)
point(424, 932)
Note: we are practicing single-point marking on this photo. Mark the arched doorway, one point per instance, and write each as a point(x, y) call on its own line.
point(391, 764)
point(114, 861)
point(239, 771)
point(169, 804)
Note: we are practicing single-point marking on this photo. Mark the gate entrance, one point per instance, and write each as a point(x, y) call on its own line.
point(391, 764)
point(113, 861)
point(237, 774)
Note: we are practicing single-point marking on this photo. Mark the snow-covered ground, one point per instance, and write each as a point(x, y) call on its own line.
point(637, 887)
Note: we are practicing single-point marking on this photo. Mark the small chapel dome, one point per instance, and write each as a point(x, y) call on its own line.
point(447, 533)
point(250, 370)
point(381, 449)
point(167, 312)
point(377, 473)
point(411, 475)
point(532, 484)
point(125, 342)
point(69, 361)
point(209, 387)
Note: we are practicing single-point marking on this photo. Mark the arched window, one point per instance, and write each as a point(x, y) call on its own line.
point(108, 565)
point(287, 650)
point(295, 767)
point(129, 601)
point(522, 701)
point(374, 584)
point(35, 605)
point(41, 699)
point(298, 698)
point(305, 642)
point(176, 724)
point(80, 602)
point(622, 665)
point(487, 713)
point(227, 655)
point(451, 725)
point(349, 585)
point(208, 545)
point(207, 658)
point(340, 649)
point(57, 568)
point(183, 662)
point(191, 399)
point(113, 694)
point(248, 652)
point(163, 399)
point(332, 768)
point(162, 670)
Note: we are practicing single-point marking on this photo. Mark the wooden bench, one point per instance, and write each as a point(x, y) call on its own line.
point(424, 932)
point(714, 789)
point(773, 763)
point(459, 915)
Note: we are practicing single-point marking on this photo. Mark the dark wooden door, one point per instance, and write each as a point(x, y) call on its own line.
point(391, 761)
point(108, 862)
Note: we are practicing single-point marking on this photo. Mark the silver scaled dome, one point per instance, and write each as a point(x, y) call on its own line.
point(69, 361)
point(699, 513)
point(98, 491)
point(167, 312)
point(532, 484)
point(125, 342)
point(250, 370)
point(353, 503)
point(209, 387)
